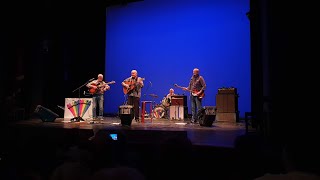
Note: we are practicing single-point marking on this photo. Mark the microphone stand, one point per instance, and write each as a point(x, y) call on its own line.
point(78, 118)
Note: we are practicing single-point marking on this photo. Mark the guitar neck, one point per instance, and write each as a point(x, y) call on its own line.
point(181, 87)
point(111, 82)
point(194, 93)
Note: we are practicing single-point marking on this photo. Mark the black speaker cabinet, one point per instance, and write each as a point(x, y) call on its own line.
point(45, 114)
point(207, 116)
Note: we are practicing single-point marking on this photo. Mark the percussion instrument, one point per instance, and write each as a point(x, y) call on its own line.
point(126, 114)
point(165, 102)
point(158, 112)
point(125, 109)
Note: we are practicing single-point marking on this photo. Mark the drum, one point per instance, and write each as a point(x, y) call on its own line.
point(165, 102)
point(158, 112)
point(126, 109)
point(126, 114)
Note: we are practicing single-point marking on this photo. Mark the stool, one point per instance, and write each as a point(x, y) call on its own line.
point(143, 109)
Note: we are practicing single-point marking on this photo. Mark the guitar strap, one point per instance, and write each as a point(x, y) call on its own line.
point(194, 82)
point(136, 84)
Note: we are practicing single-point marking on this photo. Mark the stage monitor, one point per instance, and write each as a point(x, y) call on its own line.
point(207, 116)
point(45, 114)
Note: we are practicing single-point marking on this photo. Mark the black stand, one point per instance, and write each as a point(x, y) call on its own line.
point(154, 96)
point(79, 118)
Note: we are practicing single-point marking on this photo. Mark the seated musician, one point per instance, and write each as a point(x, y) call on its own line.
point(168, 96)
point(166, 102)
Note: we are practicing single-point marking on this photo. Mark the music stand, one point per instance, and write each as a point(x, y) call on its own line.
point(177, 102)
point(79, 118)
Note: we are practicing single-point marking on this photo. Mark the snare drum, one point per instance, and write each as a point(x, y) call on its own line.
point(158, 112)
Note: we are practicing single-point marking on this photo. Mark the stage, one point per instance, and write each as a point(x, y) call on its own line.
point(220, 134)
point(157, 148)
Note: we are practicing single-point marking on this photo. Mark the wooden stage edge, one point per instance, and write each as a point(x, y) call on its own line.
point(220, 134)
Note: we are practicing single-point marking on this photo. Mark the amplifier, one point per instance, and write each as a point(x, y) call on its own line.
point(230, 90)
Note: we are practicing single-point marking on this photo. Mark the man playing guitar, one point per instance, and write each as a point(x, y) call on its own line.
point(196, 87)
point(97, 88)
point(132, 88)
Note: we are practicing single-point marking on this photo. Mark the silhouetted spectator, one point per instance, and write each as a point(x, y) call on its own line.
point(176, 159)
point(118, 173)
point(251, 152)
point(300, 159)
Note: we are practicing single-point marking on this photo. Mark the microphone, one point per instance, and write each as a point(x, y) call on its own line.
point(91, 79)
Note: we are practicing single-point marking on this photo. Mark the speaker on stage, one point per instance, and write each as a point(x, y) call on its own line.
point(207, 116)
point(45, 114)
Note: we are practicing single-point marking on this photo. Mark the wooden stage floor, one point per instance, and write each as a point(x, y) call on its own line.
point(220, 134)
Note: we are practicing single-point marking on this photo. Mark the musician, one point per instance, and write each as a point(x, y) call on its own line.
point(197, 85)
point(98, 86)
point(133, 84)
point(167, 102)
point(168, 97)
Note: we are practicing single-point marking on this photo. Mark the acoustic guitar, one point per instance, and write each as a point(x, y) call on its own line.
point(193, 92)
point(131, 86)
point(99, 87)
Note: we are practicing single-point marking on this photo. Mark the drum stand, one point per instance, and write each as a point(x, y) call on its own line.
point(153, 96)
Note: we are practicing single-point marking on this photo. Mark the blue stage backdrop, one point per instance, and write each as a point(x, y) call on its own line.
point(164, 40)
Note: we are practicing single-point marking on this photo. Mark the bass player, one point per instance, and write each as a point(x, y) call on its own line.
point(197, 86)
